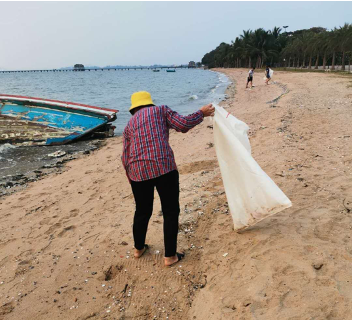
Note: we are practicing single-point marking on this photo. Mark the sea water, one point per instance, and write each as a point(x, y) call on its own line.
point(184, 91)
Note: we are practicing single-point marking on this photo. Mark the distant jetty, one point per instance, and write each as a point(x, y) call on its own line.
point(76, 69)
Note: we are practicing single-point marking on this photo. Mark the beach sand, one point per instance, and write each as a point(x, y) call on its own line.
point(66, 247)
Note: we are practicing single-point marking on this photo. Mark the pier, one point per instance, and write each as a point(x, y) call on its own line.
point(97, 69)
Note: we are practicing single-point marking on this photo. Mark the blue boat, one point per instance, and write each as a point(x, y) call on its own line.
point(36, 121)
point(170, 70)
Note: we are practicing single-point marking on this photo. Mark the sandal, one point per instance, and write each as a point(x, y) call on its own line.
point(180, 256)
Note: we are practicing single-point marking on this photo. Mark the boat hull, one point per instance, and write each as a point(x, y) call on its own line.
point(34, 121)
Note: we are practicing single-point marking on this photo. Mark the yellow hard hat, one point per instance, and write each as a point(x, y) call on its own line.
point(141, 98)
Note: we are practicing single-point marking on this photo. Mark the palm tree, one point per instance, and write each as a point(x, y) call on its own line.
point(306, 46)
point(297, 49)
point(262, 46)
point(319, 45)
point(286, 53)
point(276, 32)
point(333, 45)
point(310, 47)
point(237, 48)
point(246, 38)
point(276, 42)
point(349, 47)
point(266, 46)
point(343, 39)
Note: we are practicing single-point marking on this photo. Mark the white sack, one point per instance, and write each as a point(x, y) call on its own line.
point(251, 194)
point(271, 72)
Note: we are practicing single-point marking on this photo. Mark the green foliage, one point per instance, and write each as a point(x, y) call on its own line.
point(301, 48)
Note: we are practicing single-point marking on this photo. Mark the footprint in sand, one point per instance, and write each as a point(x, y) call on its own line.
point(74, 213)
point(65, 230)
point(53, 228)
point(197, 166)
point(6, 308)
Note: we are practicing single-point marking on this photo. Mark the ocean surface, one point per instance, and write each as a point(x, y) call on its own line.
point(185, 91)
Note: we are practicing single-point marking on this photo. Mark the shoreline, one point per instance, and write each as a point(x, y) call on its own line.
point(16, 181)
point(67, 240)
point(55, 159)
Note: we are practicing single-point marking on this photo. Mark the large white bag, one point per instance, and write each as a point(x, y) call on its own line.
point(251, 194)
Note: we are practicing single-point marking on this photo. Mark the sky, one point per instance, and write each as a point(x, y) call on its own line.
point(46, 35)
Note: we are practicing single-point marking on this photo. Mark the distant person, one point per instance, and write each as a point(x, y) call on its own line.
point(267, 74)
point(149, 162)
point(250, 77)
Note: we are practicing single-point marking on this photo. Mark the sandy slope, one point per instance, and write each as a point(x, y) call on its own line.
point(66, 242)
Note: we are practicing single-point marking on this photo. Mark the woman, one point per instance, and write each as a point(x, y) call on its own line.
point(267, 74)
point(149, 163)
point(250, 77)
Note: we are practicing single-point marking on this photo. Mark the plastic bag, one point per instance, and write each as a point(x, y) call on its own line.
point(251, 194)
point(271, 72)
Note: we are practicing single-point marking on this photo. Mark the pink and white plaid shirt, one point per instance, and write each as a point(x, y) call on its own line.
point(146, 150)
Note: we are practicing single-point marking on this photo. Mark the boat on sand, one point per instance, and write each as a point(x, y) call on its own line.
point(36, 121)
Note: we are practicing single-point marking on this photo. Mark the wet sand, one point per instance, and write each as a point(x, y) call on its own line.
point(66, 241)
point(20, 165)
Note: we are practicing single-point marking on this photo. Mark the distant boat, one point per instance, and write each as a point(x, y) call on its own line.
point(156, 70)
point(35, 121)
point(170, 70)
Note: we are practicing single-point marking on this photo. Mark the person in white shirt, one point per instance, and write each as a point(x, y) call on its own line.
point(250, 77)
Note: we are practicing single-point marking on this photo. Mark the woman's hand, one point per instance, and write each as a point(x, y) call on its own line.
point(208, 110)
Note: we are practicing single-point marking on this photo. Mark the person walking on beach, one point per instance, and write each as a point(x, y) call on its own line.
point(267, 74)
point(250, 78)
point(149, 162)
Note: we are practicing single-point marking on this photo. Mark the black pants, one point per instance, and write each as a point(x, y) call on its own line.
point(168, 189)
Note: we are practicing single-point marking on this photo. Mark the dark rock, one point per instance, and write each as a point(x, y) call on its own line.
point(247, 303)
point(317, 265)
point(17, 177)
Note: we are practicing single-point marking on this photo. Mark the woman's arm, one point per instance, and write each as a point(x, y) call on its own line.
point(184, 123)
point(125, 153)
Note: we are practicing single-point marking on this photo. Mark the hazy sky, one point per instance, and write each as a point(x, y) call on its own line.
point(57, 34)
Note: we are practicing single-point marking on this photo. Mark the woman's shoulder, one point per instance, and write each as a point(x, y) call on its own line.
point(163, 109)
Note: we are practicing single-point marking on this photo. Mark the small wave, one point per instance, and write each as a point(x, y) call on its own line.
point(194, 97)
point(5, 147)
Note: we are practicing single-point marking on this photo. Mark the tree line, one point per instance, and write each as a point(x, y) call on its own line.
point(307, 48)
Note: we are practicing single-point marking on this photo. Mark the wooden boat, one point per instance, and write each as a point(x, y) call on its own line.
point(170, 70)
point(36, 121)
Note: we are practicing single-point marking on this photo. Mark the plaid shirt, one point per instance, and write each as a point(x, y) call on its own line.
point(146, 150)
